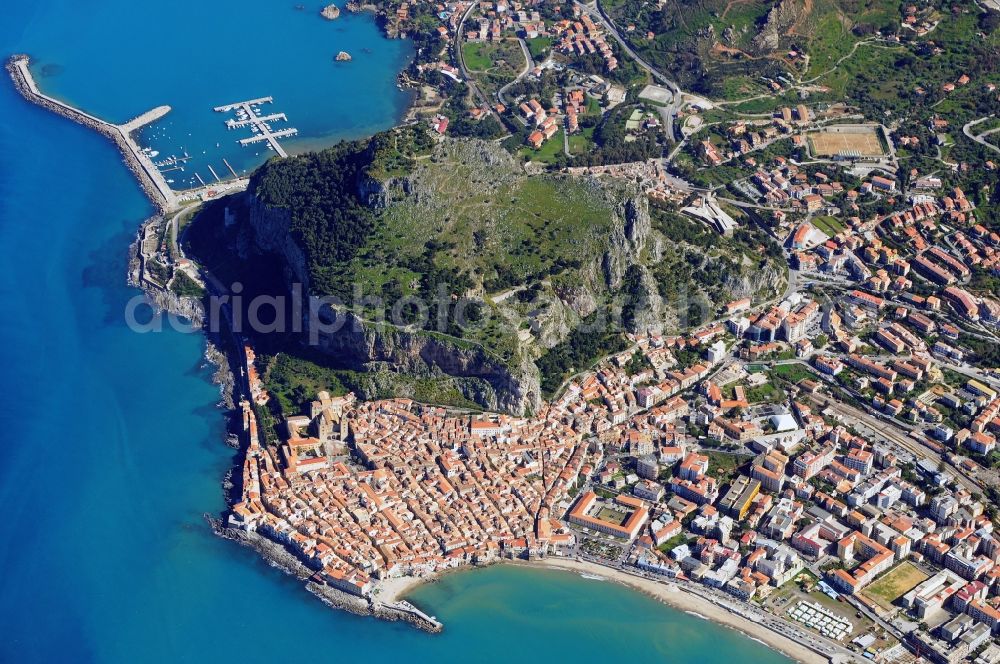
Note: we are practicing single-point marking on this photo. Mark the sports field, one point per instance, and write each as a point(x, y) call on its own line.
point(895, 584)
point(846, 141)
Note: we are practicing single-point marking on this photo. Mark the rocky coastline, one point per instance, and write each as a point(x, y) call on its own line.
point(358, 7)
point(330, 12)
point(162, 298)
point(279, 557)
point(110, 131)
point(219, 352)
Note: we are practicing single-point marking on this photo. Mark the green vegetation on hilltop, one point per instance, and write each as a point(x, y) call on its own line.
point(596, 337)
point(494, 63)
point(394, 153)
point(320, 191)
point(184, 286)
point(453, 239)
point(466, 223)
point(734, 49)
point(684, 38)
point(295, 379)
point(492, 225)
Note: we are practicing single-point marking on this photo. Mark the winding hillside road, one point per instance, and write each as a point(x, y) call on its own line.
point(529, 64)
point(460, 58)
point(670, 112)
point(978, 138)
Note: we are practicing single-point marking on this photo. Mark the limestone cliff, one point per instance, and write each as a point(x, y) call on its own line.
point(780, 18)
point(269, 233)
point(540, 255)
point(627, 239)
point(477, 374)
point(480, 376)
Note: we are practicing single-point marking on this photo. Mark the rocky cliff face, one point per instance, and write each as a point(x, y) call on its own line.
point(650, 313)
point(480, 377)
point(780, 18)
point(269, 233)
point(765, 280)
point(627, 239)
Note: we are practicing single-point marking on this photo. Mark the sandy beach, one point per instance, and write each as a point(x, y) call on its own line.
point(677, 598)
point(396, 589)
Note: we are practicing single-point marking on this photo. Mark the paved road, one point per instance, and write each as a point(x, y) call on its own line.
point(896, 434)
point(460, 58)
point(529, 64)
point(967, 130)
point(670, 112)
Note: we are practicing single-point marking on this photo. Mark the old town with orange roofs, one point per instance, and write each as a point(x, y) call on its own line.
point(830, 467)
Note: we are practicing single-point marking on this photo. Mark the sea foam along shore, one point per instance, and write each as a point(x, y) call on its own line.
point(678, 598)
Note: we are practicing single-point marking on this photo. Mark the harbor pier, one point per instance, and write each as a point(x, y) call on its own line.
point(250, 102)
point(273, 117)
point(146, 118)
point(139, 163)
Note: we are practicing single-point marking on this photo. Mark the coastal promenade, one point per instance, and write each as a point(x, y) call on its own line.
point(139, 163)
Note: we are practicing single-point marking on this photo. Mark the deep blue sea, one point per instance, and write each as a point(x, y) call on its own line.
point(110, 441)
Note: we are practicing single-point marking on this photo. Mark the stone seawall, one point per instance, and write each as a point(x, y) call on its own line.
point(29, 91)
point(278, 556)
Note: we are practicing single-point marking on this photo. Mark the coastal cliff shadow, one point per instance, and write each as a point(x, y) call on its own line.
point(221, 249)
point(218, 239)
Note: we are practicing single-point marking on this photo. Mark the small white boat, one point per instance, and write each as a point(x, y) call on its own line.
point(592, 577)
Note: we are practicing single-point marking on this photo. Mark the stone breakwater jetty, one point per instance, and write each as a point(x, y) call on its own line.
point(150, 178)
point(277, 556)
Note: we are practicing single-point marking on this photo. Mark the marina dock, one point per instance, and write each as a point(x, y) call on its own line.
point(248, 117)
point(139, 161)
point(274, 117)
point(235, 105)
point(269, 137)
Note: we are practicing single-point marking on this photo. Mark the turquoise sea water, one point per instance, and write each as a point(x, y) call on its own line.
point(110, 450)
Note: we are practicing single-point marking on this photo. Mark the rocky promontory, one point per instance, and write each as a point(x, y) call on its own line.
point(279, 557)
point(330, 12)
